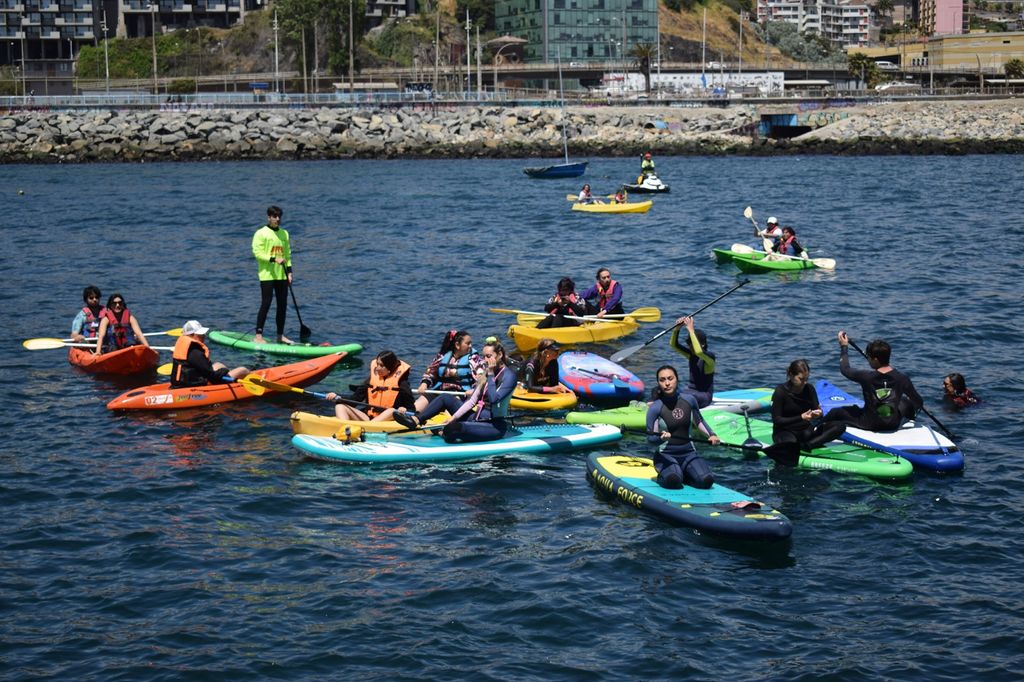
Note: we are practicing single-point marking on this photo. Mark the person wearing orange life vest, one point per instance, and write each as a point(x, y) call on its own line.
point(191, 365)
point(118, 327)
point(87, 321)
point(385, 390)
point(605, 296)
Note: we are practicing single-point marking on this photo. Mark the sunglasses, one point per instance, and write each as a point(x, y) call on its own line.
point(117, 303)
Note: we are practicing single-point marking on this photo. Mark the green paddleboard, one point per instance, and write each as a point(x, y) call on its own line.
point(836, 456)
point(305, 350)
point(633, 417)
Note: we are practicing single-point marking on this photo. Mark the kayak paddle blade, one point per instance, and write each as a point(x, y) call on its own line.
point(626, 352)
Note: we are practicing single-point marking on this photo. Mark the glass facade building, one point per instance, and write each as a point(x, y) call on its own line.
point(578, 30)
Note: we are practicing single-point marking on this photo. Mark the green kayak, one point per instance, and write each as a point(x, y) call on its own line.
point(306, 350)
point(837, 456)
point(633, 417)
point(757, 263)
point(723, 256)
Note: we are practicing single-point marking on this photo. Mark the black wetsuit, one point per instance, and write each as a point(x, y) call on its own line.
point(678, 462)
point(788, 426)
point(889, 398)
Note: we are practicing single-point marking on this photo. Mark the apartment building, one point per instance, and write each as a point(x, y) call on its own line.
point(842, 23)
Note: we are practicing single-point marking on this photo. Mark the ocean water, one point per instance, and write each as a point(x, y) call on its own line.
point(200, 545)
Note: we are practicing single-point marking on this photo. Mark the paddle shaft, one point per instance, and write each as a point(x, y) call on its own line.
point(508, 418)
point(304, 331)
point(923, 408)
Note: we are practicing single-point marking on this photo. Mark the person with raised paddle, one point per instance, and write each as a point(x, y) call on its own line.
point(563, 306)
point(539, 374)
point(191, 365)
point(770, 235)
point(700, 360)
point(87, 322)
point(385, 391)
point(605, 296)
point(889, 395)
point(669, 420)
point(481, 417)
point(796, 411)
point(452, 369)
point(955, 391)
point(272, 249)
point(118, 327)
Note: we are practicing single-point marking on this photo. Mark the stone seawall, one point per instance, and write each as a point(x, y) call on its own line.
point(995, 126)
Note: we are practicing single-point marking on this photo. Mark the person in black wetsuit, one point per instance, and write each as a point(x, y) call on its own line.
point(889, 395)
point(795, 408)
point(668, 425)
point(540, 373)
point(700, 360)
point(565, 302)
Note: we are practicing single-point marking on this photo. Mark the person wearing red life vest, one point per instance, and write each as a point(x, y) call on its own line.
point(191, 365)
point(87, 321)
point(118, 327)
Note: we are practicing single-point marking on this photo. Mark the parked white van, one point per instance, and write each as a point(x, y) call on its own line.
point(886, 66)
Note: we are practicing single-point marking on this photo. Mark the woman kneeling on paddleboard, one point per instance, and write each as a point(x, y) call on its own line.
point(668, 425)
point(795, 407)
point(482, 416)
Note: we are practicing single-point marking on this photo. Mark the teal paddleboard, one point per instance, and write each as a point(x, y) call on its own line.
point(717, 510)
point(306, 350)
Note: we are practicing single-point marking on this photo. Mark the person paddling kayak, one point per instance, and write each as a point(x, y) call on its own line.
point(273, 252)
point(118, 327)
point(87, 322)
point(788, 245)
point(605, 296)
point(191, 365)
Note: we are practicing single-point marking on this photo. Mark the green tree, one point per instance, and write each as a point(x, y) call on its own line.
point(1014, 68)
point(862, 66)
point(643, 53)
point(884, 7)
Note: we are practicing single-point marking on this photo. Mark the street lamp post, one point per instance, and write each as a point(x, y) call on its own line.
point(496, 55)
point(152, 15)
point(277, 86)
point(106, 54)
point(469, 71)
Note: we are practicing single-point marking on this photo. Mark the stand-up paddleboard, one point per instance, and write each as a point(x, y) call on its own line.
point(598, 380)
point(384, 449)
point(923, 446)
point(245, 341)
point(633, 417)
point(717, 510)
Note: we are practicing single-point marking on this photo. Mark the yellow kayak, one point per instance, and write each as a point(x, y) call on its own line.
point(323, 425)
point(630, 207)
point(528, 400)
point(527, 337)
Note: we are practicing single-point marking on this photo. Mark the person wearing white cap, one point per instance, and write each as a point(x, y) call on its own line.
point(191, 365)
point(771, 233)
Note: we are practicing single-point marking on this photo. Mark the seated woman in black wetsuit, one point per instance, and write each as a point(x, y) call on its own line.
point(795, 407)
point(668, 424)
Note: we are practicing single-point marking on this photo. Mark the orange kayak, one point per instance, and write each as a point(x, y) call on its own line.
point(131, 360)
point(163, 397)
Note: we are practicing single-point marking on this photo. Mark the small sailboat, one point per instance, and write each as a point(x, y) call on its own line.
point(560, 170)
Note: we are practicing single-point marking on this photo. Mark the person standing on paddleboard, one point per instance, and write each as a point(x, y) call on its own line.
point(668, 426)
point(701, 361)
point(273, 252)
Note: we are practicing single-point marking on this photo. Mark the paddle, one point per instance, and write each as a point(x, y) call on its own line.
point(626, 352)
point(646, 314)
point(304, 331)
point(823, 263)
point(923, 408)
point(750, 443)
point(533, 416)
point(256, 383)
point(170, 332)
point(576, 197)
point(50, 344)
point(765, 241)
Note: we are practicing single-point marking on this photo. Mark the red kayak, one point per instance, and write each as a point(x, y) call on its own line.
point(130, 360)
point(163, 397)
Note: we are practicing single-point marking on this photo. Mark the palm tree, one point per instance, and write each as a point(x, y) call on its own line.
point(643, 53)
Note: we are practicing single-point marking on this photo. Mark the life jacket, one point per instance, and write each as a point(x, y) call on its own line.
point(183, 374)
point(463, 371)
point(92, 322)
point(498, 410)
point(119, 332)
point(604, 294)
point(573, 297)
point(965, 399)
point(382, 393)
point(790, 246)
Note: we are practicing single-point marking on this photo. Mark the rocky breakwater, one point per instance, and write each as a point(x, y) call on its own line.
point(927, 127)
point(128, 135)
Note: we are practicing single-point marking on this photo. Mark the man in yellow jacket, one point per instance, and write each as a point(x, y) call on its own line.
point(273, 254)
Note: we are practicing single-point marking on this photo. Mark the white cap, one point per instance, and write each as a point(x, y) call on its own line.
point(193, 328)
point(773, 220)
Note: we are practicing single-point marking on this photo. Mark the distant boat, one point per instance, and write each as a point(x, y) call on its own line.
point(560, 170)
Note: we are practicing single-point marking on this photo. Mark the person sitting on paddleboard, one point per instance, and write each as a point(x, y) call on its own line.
point(955, 390)
point(565, 302)
point(386, 390)
point(540, 373)
point(889, 395)
point(788, 245)
point(87, 322)
point(118, 327)
point(191, 364)
point(701, 361)
point(605, 296)
point(770, 235)
point(668, 425)
point(796, 409)
point(452, 368)
point(586, 197)
point(482, 416)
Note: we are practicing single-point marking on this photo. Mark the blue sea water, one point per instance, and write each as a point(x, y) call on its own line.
point(201, 545)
